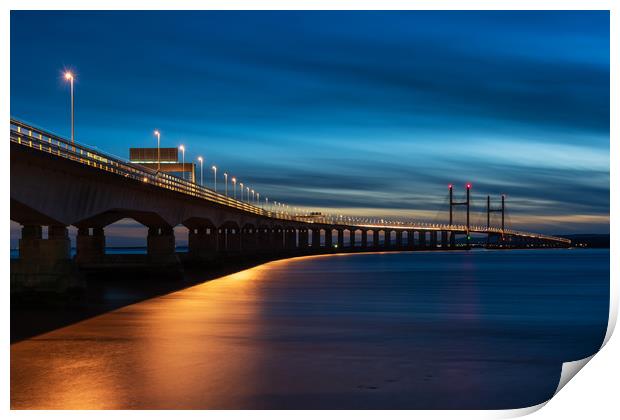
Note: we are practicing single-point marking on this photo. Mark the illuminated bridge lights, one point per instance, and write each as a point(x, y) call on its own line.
point(55, 145)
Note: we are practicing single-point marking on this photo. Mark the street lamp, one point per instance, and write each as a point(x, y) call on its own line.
point(214, 178)
point(69, 77)
point(158, 138)
point(252, 196)
point(241, 185)
point(234, 181)
point(182, 149)
point(200, 160)
point(226, 183)
point(257, 199)
point(248, 193)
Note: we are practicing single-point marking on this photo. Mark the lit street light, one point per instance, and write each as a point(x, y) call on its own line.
point(214, 178)
point(248, 192)
point(234, 181)
point(257, 199)
point(226, 183)
point(182, 149)
point(158, 138)
point(241, 185)
point(252, 196)
point(69, 77)
point(200, 160)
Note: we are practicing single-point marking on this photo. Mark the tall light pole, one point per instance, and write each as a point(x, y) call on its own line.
point(214, 178)
point(226, 183)
point(182, 149)
point(69, 77)
point(200, 160)
point(248, 193)
point(158, 138)
point(241, 185)
point(234, 181)
point(257, 199)
point(252, 196)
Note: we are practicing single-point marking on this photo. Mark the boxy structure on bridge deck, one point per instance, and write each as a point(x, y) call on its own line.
point(164, 159)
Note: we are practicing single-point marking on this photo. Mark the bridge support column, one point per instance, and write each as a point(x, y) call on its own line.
point(202, 243)
point(46, 252)
point(422, 239)
point(410, 239)
point(340, 238)
point(303, 239)
point(233, 240)
point(452, 240)
point(160, 241)
point(433, 240)
point(316, 238)
point(277, 241)
point(387, 239)
point(328, 238)
point(90, 246)
point(375, 239)
point(444, 239)
point(399, 239)
point(364, 239)
point(291, 239)
point(249, 240)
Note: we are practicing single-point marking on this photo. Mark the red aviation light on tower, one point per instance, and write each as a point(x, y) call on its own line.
point(449, 186)
point(468, 186)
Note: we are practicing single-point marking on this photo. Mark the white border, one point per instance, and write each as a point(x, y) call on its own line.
point(594, 394)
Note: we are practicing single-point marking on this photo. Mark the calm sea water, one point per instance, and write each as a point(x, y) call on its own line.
point(480, 329)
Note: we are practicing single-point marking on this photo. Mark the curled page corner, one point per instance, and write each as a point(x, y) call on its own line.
point(569, 370)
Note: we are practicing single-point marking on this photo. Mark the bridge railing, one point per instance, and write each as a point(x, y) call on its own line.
point(47, 142)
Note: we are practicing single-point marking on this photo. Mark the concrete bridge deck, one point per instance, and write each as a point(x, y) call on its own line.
point(56, 183)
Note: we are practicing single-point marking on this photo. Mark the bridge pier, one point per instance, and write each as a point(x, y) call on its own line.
point(291, 238)
point(410, 239)
point(364, 241)
point(303, 239)
point(433, 242)
point(316, 238)
point(249, 240)
point(444, 239)
point(399, 239)
point(387, 238)
point(160, 241)
point(202, 243)
point(375, 239)
point(90, 245)
point(422, 239)
point(34, 249)
point(328, 238)
point(452, 240)
point(277, 239)
point(340, 242)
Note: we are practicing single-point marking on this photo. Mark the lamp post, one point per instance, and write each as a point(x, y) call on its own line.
point(234, 181)
point(226, 183)
point(69, 77)
point(214, 178)
point(158, 138)
point(241, 185)
point(200, 160)
point(257, 199)
point(248, 193)
point(182, 149)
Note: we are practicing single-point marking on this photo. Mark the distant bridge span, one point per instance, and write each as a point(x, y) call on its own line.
point(56, 183)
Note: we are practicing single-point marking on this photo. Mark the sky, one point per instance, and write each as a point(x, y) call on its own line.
point(356, 113)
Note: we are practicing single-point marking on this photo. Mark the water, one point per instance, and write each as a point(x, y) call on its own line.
point(479, 330)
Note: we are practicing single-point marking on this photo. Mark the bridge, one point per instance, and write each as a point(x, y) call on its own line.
point(56, 183)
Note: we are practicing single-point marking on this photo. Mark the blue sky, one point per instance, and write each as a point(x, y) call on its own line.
point(363, 113)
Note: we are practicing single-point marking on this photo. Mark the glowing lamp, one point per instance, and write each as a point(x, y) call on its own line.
point(468, 186)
